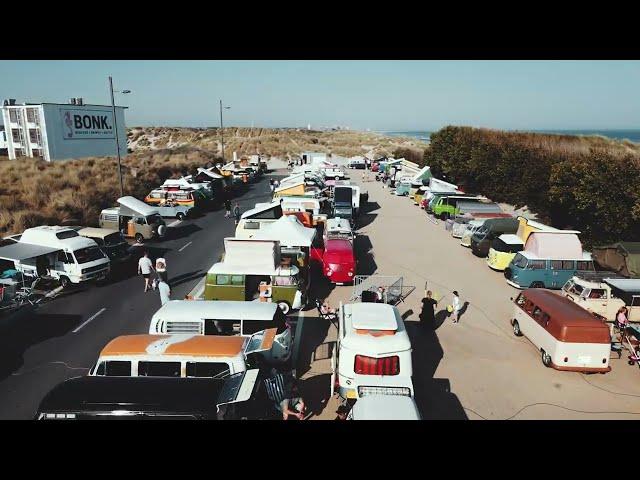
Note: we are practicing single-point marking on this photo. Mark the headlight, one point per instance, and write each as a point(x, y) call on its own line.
point(350, 274)
point(402, 391)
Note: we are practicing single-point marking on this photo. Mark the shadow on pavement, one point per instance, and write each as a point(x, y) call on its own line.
point(312, 343)
point(182, 231)
point(185, 277)
point(369, 207)
point(316, 392)
point(366, 261)
point(433, 395)
point(320, 287)
point(36, 328)
point(366, 219)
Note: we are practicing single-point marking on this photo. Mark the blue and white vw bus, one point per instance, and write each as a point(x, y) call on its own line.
point(528, 270)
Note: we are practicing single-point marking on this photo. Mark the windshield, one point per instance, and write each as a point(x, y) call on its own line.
point(501, 246)
point(153, 219)
point(89, 254)
point(520, 261)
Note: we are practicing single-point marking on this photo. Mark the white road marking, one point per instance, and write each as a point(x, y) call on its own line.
point(89, 319)
point(185, 246)
point(173, 224)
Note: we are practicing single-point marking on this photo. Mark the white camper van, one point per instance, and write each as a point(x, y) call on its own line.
point(79, 259)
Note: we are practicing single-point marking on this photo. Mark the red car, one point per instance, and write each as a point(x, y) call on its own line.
point(338, 262)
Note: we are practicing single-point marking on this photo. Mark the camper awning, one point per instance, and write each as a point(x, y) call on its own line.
point(137, 206)
point(288, 231)
point(629, 285)
point(209, 173)
point(424, 174)
point(22, 251)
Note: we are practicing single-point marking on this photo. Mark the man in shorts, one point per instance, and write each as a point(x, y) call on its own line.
point(283, 391)
point(145, 266)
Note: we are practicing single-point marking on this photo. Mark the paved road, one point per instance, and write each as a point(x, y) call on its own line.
point(65, 337)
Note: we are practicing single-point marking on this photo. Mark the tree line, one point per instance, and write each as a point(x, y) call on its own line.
point(584, 183)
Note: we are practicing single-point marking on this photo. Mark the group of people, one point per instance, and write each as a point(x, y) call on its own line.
point(236, 211)
point(161, 283)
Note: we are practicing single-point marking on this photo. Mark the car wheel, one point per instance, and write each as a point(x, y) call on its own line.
point(139, 238)
point(516, 329)
point(65, 282)
point(180, 216)
point(284, 306)
point(546, 359)
point(536, 285)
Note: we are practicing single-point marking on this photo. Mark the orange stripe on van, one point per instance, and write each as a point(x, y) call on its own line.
point(375, 333)
point(197, 345)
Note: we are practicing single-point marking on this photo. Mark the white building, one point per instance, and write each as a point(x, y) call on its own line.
point(57, 131)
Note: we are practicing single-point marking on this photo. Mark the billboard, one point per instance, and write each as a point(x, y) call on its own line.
point(87, 123)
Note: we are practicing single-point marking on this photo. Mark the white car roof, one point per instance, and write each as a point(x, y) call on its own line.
point(386, 407)
point(190, 310)
point(511, 239)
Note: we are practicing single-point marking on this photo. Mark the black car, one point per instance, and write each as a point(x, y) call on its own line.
point(111, 242)
point(238, 396)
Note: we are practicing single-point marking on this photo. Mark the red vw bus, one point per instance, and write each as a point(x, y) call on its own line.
point(338, 262)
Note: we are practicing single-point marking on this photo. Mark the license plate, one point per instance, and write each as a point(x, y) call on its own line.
point(584, 360)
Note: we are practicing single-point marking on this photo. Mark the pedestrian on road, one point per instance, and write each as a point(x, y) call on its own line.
point(227, 207)
point(161, 269)
point(272, 185)
point(456, 307)
point(145, 266)
point(428, 316)
point(165, 291)
point(236, 213)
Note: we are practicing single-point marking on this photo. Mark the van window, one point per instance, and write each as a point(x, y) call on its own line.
point(556, 264)
point(520, 261)
point(598, 293)
point(568, 265)
point(89, 254)
point(529, 306)
point(206, 369)
point(62, 257)
point(537, 264)
point(576, 289)
point(583, 265)
point(139, 221)
point(635, 301)
point(158, 369)
point(221, 327)
point(223, 280)
point(284, 281)
point(250, 327)
point(153, 219)
point(114, 368)
point(67, 234)
point(252, 225)
point(237, 279)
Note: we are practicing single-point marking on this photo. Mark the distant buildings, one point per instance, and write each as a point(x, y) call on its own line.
point(57, 131)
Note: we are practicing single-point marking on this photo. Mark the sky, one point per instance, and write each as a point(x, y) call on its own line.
point(375, 95)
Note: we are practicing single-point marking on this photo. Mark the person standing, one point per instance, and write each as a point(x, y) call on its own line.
point(236, 213)
point(164, 290)
point(145, 266)
point(428, 316)
point(161, 269)
point(456, 307)
point(227, 207)
point(271, 185)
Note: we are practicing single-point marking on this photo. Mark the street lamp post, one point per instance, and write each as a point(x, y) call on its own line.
point(115, 125)
point(222, 128)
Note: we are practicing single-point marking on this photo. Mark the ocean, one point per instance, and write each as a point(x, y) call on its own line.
point(632, 135)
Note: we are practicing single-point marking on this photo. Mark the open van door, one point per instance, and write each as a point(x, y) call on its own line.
point(261, 341)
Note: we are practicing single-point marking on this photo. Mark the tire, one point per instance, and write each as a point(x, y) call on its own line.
point(516, 329)
point(65, 282)
point(180, 216)
point(536, 285)
point(284, 306)
point(139, 238)
point(546, 359)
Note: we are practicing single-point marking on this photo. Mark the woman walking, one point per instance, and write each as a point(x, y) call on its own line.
point(456, 307)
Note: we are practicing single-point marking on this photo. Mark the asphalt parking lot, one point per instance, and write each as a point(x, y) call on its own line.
point(476, 369)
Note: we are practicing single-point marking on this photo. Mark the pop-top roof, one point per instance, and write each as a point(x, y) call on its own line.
point(137, 206)
point(373, 316)
point(259, 208)
point(217, 310)
point(189, 345)
point(556, 245)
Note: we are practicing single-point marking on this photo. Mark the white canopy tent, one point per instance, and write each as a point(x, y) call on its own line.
point(289, 231)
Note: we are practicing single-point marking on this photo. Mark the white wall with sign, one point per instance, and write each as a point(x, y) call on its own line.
point(75, 131)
